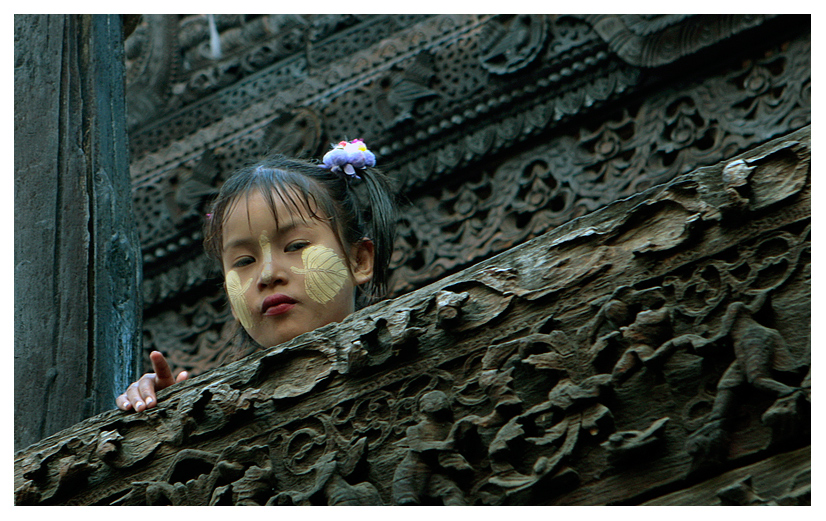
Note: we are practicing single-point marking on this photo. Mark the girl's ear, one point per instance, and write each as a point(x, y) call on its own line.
point(363, 260)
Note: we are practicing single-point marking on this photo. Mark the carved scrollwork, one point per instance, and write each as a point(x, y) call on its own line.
point(595, 364)
point(652, 40)
point(511, 42)
point(495, 207)
point(497, 129)
point(573, 175)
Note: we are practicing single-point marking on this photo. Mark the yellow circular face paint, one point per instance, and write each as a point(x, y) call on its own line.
point(324, 273)
point(236, 298)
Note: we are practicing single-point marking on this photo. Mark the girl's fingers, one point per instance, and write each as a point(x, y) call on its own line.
point(162, 371)
point(145, 392)
point(134, 398)
point(140, 395)
point(146, 386)
point(123, 402)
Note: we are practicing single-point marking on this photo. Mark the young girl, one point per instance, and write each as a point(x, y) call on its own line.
point(297, 247)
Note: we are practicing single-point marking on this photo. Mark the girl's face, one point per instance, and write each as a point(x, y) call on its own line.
point(284, 281)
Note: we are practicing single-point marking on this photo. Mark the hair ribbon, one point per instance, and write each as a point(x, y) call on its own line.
point(346, 158)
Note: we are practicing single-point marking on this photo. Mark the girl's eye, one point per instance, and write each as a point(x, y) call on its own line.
point(296, 246)
point(243, 261)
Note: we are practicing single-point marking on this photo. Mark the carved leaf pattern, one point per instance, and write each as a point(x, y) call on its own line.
point(551, 427)
point(447, 228)
point(325, 272)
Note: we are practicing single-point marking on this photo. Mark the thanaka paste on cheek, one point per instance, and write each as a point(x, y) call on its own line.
point(266, 251)
point(324, 273)
point(236, 298)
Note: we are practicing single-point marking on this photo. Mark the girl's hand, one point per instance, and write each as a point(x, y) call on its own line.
point(141, 394)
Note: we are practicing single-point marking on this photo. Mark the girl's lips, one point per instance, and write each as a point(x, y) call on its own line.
point(277, 304)
point(279, 309)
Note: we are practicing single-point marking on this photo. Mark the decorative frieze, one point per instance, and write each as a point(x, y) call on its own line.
point(483, 210)
point(487, 209)
point(430, 100)
point(599, 363)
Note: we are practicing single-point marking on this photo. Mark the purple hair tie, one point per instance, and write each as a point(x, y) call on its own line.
point(347, 157)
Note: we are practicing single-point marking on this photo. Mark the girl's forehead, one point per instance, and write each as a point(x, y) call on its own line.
point(276, 206)
point(254, 210)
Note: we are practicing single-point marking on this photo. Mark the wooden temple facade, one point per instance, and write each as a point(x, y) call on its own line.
point(601, 282)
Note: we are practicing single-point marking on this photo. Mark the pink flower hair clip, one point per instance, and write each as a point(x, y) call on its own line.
point(347, 157)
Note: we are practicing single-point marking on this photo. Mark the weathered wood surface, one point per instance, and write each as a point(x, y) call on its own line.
point(631, 353)
point(77, 305)
point(784, 479)
point(496, 128)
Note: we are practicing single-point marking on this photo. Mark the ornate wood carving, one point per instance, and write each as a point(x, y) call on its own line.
point(653, 344)
point(475, 211)
point(489, 209)
point(654, 40)
point(262, 55)
point(466, 110)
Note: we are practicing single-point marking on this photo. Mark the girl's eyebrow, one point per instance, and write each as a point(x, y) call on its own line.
point(284, 230)
point(248, 241)
point(242, 242)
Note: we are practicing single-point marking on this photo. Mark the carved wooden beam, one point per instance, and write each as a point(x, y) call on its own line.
point(784, 479)
point(636, 351)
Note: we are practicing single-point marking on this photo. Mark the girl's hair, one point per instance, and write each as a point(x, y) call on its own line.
point(322, 194)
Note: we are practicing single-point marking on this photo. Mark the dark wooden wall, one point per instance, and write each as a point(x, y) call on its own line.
point(77, 302)
point(494, 128)
point(497, 130)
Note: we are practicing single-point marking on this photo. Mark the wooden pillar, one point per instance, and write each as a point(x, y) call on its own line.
point(77, 263)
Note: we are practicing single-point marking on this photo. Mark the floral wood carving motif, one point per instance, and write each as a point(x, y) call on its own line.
point(442, 231)
point(642, 145)
point(668, 134)
point(654, 40)
point(550, 374)
point(465, 94)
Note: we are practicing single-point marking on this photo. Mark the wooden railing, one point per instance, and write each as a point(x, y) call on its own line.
point(601, 363)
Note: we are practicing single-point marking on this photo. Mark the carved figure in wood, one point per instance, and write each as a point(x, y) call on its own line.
point(426, 469)
point(298, 247)
point(484, 116)
point(760, 355)
point(497, 385)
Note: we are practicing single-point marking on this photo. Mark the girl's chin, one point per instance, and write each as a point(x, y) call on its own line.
point(270, 340)
point(283, 328)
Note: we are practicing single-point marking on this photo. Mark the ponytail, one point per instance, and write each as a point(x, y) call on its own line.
point(379, 220)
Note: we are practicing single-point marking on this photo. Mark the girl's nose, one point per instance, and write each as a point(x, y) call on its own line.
point(266, 273)
point(270, 274)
